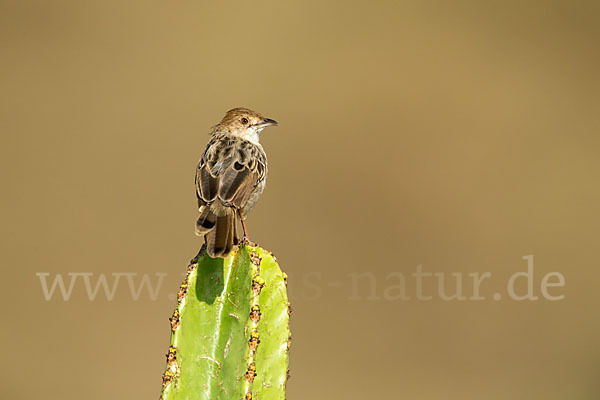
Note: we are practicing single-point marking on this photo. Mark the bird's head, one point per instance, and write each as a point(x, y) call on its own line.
point(244, 123)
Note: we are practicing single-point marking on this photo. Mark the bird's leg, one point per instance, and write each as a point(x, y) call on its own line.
point(243, 221)
point(246, 239)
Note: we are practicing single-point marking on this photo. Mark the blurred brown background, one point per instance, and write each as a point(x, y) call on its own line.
point(459, 136)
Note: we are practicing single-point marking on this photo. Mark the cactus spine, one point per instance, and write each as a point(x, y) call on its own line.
point(230, 334)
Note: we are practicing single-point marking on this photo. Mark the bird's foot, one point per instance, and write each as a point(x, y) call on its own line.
point(247, 242)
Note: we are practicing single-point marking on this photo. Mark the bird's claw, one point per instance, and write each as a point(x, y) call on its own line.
point(247, 242)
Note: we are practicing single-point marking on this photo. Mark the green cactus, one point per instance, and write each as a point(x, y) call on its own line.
point(230, 334)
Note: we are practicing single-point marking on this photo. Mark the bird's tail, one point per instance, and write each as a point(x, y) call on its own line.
point(206, 221)
point(218, 230)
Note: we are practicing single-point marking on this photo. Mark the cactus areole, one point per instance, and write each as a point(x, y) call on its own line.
point(230, 334)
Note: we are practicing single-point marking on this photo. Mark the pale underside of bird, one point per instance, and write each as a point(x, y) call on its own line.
point(230, 177)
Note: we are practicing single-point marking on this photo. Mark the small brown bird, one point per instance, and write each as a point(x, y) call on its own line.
point(230, 177)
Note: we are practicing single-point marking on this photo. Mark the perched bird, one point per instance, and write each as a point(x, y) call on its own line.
point(230, 177)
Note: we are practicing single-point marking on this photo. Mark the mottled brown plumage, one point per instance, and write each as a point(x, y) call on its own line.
point(230, 177)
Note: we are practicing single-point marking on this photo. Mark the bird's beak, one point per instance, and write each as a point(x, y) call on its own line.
point(268, 122)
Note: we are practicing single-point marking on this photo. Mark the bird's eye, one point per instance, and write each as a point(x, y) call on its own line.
point(244, 121)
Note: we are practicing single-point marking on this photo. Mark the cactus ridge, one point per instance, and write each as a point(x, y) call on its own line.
point(230, 335)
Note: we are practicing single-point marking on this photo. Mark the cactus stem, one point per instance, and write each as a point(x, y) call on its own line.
point(230, 331)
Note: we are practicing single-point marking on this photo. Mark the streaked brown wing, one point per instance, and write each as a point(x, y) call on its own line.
point(207, 185)
point(236, 184)
point(229, 170)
